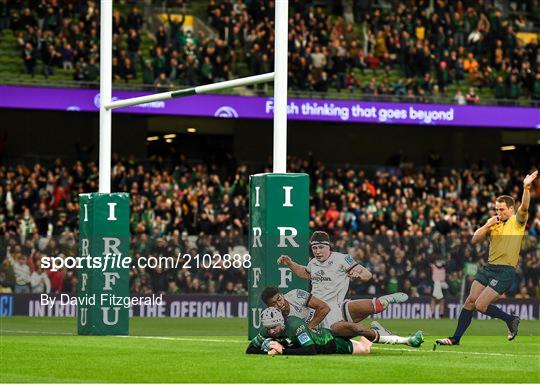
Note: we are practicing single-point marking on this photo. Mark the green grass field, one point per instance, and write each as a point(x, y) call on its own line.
point(212, 350)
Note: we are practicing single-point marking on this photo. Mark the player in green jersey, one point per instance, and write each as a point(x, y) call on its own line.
point(294, 337)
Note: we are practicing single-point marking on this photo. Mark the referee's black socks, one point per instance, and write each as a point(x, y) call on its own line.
point(494, 312)
point(465, 318)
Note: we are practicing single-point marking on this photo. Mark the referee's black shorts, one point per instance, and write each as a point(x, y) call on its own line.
point(498, 277)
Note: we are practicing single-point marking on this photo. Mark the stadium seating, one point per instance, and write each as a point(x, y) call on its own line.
point(397, 221)
point(404, 53)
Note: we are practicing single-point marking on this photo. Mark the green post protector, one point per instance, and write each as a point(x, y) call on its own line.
point(279, 224)
point(104, 232)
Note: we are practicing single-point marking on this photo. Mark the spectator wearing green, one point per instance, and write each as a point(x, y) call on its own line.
point(514, 89)
point(536, 88)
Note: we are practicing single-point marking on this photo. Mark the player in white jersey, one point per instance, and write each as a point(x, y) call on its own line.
point(330, 273)
point(299, 303)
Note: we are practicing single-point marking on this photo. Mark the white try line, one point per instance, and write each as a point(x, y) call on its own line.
point(144, 337)
point(225, 341)
point(35, 332)
point(187, 339)
point(374, 346)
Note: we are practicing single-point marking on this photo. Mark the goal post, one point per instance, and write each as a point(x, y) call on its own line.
point(104, 220)
point(281, 222)
point(279, 201)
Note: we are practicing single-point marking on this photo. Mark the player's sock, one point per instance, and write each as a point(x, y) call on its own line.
point(465, 318)
point(377, 305)
point(380, 329)
point(494, 312)
point(377, 337)
point(393, 340)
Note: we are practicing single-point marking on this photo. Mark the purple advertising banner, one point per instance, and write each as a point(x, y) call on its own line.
point(183, 306)
point(212, 306)
point(251, 107)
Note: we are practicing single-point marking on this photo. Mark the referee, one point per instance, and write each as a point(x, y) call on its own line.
point(505, 231)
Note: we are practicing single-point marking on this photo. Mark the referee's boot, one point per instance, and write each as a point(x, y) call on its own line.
point(450, 341)
point(513, 328)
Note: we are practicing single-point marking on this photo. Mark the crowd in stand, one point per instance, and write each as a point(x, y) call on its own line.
point(66, 35)
point(458, 40)
point(468, 43)
point(402, 223)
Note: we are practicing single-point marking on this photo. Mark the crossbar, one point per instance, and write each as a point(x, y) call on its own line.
point(250, 80)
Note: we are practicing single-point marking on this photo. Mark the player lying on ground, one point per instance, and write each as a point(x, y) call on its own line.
point(330, 273)
point(293, 337)
point(505, 231)
point(299, 303)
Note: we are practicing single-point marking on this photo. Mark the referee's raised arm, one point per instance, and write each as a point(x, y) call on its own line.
point(523, 209)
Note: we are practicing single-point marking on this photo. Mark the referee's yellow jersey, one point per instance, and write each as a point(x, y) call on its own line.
point(505, 242)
